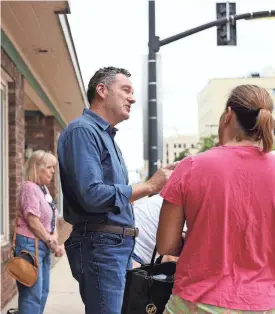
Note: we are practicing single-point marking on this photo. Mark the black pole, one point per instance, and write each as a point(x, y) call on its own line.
point(152, 94)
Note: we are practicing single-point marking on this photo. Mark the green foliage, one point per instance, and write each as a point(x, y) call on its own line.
point(208, 142)
point(205, 144)
point(182, 155)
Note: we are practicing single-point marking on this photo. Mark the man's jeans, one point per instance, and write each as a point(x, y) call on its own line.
point(99, 261)
point(32, 300)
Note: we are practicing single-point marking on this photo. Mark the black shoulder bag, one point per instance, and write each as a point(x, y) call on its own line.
point(148, 288)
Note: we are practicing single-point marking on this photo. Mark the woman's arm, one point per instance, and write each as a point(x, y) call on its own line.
point(169, 234)
point(37, 228)
point(40, 232)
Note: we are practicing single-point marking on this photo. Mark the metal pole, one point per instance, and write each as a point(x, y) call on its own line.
point(152, 94)
point(228, 23)
point(232, 19)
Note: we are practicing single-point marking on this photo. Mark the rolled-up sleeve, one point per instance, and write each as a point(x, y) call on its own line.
point(29, 202)
point(80, 164)
point(123, 194)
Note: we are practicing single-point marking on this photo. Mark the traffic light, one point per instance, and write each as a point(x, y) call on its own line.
point(226, 33)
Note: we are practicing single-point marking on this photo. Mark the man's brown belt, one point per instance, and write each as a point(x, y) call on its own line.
point(90, 227)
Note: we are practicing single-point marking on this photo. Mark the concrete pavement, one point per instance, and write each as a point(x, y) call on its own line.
point(64, 296)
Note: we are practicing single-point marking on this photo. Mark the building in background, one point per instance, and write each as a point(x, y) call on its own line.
point(41, 92)
point(174, 145)
point(212, 99)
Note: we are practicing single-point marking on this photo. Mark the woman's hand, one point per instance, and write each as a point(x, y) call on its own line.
point(59, 251)
point(53, 239)
point(52, 242)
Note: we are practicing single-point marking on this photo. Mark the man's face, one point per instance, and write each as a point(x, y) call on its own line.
point(119, 98)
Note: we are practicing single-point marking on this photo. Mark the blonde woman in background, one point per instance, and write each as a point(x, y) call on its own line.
point(37, 219)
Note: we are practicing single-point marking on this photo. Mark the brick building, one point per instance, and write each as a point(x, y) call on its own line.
point(41, 91)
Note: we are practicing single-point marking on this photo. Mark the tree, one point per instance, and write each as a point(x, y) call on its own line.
point(208, 142)
point(182, 155)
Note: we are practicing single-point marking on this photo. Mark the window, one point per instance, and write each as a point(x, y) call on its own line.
point(4, 179)
point(184, 145)
point(192, 146)
point(175, 145)
point(179, 145)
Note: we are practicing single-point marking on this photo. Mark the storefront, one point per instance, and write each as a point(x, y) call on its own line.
point(41, 91)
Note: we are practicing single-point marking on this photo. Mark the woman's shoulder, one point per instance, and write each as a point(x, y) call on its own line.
point(29, 195)
point(29, 186)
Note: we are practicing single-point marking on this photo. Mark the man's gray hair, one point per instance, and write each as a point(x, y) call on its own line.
point(104, 76)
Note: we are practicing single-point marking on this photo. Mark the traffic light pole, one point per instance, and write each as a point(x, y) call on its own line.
point(232, 19)
point(152, 93)
point(154, 46)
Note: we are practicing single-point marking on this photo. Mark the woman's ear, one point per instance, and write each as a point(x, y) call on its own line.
point(227, 116)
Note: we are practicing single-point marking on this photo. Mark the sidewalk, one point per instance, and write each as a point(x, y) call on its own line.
point(64, 296)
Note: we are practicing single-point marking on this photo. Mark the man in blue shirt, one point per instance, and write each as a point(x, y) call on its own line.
point(97, 197)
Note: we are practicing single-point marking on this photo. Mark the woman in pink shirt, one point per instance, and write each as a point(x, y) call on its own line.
point(227, 197)
point(37, 219)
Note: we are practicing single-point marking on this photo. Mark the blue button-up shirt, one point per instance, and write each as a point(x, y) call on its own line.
point(93, 174)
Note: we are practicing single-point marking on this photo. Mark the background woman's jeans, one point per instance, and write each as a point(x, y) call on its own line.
point(32, 300)
point(99, 262)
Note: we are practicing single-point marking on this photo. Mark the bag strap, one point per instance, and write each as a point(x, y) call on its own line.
point(14, 242)
point(153, 257)
point(151, 268)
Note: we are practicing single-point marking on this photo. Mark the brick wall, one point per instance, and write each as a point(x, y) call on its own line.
point(16, 163)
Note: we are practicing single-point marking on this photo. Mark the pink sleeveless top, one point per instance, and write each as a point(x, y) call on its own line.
point(228, 195)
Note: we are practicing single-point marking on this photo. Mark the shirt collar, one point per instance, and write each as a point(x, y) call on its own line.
point(101, 122)
point(112, 131)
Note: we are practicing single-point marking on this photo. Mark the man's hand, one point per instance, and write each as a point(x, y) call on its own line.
point(154, 184)
point(157, 181)
point(172, 166)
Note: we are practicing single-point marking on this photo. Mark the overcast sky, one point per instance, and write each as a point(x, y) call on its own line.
point(108, 32)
